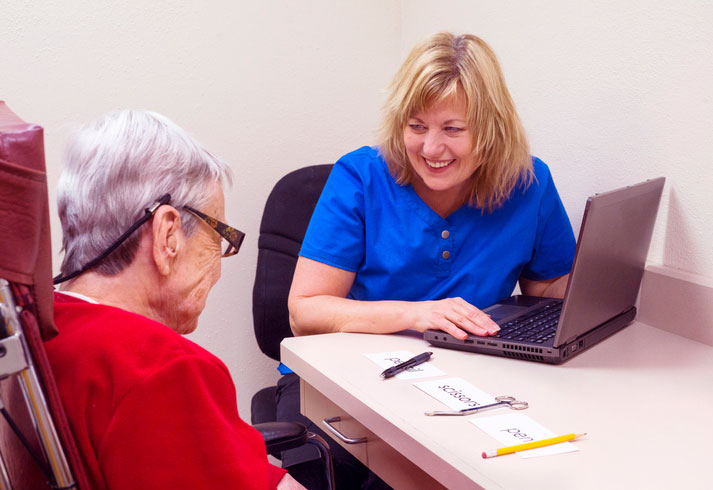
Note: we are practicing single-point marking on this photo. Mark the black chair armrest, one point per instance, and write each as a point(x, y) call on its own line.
point(280, 436)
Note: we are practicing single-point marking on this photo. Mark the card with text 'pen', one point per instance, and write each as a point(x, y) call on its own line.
point(511, 429)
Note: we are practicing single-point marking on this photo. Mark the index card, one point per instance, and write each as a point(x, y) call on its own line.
point(455, 393)
point(511, 429)
point(391, 359)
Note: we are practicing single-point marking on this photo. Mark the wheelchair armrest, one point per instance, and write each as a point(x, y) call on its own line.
point(280, 436)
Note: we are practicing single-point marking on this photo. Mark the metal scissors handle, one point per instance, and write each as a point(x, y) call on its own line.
point(508, 401)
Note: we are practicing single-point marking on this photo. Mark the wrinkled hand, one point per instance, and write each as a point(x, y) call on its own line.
point(289, 483)
point(454, 316)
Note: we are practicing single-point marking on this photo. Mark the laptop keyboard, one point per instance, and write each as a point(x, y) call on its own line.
point(538, 326)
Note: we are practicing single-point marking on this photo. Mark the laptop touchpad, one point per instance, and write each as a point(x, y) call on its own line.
point(499, 312)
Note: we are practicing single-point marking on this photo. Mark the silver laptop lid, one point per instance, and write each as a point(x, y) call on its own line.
point(611, 253)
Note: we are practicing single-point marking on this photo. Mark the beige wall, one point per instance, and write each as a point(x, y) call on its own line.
point(610, 93)
point(268, 86)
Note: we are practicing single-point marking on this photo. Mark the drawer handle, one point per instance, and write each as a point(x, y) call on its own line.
point(346, 440)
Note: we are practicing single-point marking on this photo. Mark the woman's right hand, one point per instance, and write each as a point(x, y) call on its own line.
point(318, 304)
point(454, 316)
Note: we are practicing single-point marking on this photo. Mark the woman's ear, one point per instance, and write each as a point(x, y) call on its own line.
point(166, 238)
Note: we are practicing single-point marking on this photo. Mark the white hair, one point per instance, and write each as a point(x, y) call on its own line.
point(115, 168)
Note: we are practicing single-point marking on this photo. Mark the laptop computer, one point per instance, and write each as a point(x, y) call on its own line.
point(601, 292)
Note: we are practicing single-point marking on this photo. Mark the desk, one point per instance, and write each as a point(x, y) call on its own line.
point(644, 396)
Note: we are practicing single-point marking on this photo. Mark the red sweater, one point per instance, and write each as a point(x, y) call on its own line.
point(150, 409)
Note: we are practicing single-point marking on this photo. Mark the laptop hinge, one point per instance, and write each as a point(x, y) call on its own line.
point(572, 339)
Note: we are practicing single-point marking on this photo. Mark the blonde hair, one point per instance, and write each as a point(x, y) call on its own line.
point(439, 68)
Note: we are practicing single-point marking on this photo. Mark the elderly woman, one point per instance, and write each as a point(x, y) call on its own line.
point(141, 205)
point(443, 218)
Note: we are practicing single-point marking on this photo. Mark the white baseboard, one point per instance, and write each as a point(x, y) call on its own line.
point(677, 301)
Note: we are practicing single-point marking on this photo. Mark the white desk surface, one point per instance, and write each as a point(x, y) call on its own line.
point(644, 396)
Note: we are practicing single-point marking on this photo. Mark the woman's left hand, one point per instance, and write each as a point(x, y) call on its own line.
point(455, 316)
point(289, 483)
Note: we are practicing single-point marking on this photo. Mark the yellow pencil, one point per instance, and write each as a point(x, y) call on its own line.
point(531, 445)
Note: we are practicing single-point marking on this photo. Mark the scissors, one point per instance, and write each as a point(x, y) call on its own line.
point(507, 401)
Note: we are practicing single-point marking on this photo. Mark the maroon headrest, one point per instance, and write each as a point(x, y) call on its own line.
point(25, 246)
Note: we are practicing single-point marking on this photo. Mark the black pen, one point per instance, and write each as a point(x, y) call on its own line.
point(414, 361)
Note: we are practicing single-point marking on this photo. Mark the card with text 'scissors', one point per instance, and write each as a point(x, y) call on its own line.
point(455, 393)
point(390, 359)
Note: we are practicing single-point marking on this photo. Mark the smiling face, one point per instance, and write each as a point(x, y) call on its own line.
point(439, 144)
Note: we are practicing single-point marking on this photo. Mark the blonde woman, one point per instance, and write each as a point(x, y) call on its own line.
point(443, 218)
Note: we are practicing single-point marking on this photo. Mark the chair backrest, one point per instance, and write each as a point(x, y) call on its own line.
point(25, 250)
point(30, 403)
point(287, 213)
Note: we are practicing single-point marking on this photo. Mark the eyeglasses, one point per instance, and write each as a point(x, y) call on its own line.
point(233, 236)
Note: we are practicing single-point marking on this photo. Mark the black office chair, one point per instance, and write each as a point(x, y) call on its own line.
point(287, 213)
point(284, 222)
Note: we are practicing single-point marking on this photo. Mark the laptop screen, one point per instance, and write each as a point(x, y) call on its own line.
point(611, 253)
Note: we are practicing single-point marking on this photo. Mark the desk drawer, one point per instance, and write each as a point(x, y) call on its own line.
point(377, 455)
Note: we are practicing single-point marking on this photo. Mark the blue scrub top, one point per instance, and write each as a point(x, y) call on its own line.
point(400, 249)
